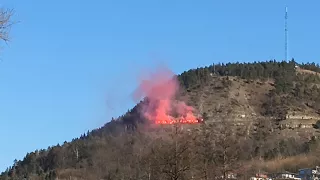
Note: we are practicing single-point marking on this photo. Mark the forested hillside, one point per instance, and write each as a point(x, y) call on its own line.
point(246, 108)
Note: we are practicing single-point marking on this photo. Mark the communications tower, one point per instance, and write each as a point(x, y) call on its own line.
point(286, 35)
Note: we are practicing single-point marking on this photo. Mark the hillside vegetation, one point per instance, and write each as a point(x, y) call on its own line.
point(253, 112)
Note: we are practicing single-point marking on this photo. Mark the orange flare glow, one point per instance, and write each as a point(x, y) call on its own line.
point(160, 90)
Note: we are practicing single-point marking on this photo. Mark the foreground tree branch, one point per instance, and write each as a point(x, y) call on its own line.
point(5, 23)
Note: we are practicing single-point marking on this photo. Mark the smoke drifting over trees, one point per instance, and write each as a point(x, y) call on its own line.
point(160, 89)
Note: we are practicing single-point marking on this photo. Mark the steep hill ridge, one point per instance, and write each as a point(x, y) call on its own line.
point(265, 101)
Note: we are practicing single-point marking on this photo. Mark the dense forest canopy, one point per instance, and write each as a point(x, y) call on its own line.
point(280, 71)
point(125, 148)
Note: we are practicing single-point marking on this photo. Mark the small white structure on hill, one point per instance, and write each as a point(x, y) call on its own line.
point(286, 175)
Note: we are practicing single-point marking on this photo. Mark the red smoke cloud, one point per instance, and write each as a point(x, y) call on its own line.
point(160, 89)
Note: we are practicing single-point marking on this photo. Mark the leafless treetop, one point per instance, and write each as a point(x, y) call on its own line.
point(5, 23)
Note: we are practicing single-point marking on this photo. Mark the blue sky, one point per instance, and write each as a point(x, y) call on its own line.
point(71, 65)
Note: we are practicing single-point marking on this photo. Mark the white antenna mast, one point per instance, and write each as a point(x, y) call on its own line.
point(286, 35)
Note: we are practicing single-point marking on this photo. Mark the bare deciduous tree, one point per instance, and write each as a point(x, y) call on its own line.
point(204, 150)
point(226, 150)
point(5, 23)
